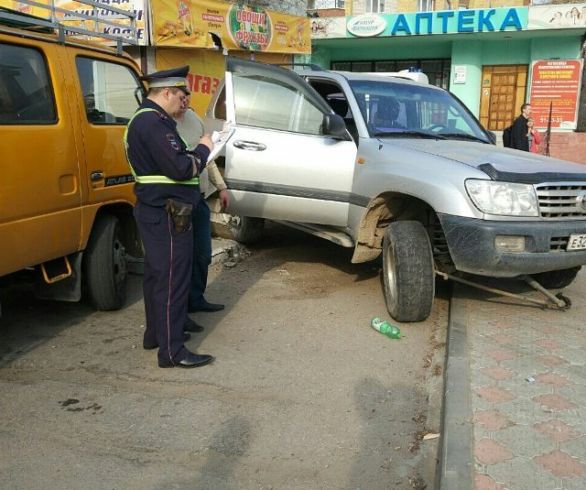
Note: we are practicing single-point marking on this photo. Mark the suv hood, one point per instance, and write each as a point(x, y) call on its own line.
point(503, 164)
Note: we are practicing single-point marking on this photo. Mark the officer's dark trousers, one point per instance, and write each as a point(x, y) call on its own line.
point(202, 253)
point(167, 275)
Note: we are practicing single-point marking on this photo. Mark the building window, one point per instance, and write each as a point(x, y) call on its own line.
point(375, 6)
point(425, 5)
point(325, 4)
point(438, 71)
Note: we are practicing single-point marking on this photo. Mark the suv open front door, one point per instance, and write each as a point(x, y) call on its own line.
point(279, 162)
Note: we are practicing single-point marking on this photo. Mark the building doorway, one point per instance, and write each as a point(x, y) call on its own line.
point(502, 94)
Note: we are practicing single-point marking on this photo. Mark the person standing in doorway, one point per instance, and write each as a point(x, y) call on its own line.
point(167, 190)
point(191, 128)
point(520, 130)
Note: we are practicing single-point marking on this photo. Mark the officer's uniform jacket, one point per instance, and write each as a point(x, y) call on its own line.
point(155, 148)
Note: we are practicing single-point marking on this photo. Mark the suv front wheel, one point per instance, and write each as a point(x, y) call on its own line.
point(408, 271)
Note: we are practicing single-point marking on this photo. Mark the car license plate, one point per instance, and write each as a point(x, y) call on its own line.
point(577, 242)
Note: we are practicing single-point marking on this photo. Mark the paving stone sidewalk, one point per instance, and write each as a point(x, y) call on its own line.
point(527, 390)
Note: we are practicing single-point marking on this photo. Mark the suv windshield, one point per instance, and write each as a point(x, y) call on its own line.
point(404, 109)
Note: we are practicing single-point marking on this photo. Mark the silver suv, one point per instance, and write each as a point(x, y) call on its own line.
point(382, 164)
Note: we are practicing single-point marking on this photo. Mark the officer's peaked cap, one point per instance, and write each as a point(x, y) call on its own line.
point(174, 77)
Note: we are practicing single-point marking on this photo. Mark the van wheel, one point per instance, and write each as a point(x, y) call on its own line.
point(557, 279)
point(105, 266)
point(408, 271)
point(246, 230)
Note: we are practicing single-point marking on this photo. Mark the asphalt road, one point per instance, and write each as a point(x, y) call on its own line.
point(303, 394)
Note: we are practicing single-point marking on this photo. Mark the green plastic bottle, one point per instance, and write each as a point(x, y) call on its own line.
point(384, 327)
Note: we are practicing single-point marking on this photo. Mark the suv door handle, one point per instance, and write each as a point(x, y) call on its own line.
point(249, 145)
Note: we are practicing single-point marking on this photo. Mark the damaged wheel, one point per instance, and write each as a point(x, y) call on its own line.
point(408, 271)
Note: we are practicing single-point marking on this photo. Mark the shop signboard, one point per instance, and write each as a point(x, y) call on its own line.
point(423, 23)
point(555, 83)
point(558, 16)
point(188, 23)
point(118, 25)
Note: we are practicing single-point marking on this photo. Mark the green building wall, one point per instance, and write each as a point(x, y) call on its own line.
point(461, 49)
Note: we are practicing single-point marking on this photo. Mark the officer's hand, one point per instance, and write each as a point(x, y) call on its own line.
point(206, 140)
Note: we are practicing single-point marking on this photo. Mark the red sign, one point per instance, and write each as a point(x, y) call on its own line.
point(555, 82)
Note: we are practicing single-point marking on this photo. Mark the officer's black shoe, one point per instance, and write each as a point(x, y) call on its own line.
point(191, 360)
point(191, 326)
point(205, 306)
point(146, 346)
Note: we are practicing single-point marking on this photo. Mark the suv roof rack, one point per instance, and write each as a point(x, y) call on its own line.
point(416, 76)
point(311, 66)
point(59, 20)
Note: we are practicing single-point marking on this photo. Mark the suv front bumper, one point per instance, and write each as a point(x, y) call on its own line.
point(471, 243)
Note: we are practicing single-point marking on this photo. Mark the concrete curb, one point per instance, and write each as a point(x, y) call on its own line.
point(224, 249)
point(456, 458)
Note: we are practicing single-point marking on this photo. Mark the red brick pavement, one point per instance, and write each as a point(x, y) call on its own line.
point(528, 385)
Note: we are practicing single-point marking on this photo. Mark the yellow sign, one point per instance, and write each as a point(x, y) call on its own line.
point(118, 25)
point(188, 23)
point(206, 70)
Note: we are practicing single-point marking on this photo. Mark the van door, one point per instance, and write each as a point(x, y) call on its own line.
point(279, 164)
point(107, 89)
point(40, 194)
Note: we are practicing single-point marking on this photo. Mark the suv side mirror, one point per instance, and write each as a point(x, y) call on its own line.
point(333, 125)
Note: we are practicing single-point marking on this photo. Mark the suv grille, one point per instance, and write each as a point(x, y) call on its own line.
point(562, 201)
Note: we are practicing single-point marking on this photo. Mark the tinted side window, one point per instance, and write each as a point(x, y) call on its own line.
point(108, 91)
point(26, 96)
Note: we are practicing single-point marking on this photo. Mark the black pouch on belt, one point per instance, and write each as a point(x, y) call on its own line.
point(180, 213)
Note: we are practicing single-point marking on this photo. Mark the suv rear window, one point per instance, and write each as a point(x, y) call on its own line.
point(26, 96)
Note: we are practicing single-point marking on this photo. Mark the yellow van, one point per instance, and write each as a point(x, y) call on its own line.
point(65, 187)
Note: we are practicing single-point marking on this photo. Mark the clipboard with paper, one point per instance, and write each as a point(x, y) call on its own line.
point(220, 138)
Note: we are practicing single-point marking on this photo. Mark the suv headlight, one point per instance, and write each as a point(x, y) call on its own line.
point(503, 198)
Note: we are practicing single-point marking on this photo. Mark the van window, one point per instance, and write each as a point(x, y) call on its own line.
point(108, 91)
point(26, 96)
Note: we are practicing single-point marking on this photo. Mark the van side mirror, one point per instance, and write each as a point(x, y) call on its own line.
point(333, 125)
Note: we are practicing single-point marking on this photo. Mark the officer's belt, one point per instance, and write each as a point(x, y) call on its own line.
point(151, 179)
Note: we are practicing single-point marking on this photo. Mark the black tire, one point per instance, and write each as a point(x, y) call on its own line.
point(105, 265)
point(557, 279)
point(246, 230)
point(408, 271)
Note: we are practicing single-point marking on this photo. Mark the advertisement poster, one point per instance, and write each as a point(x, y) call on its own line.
point(557, 16)
point(328, 27)
point(556, 82)
point(121, 25)
point(188, 23)
point(206, 69)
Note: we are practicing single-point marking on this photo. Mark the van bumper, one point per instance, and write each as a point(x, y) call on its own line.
point(471, 243)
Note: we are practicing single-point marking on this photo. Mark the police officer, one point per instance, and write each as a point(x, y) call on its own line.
point(167, 191)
